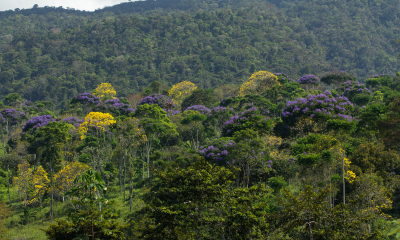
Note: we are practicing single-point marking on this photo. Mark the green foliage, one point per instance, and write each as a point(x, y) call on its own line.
point(276, 183)
point(341, 125)
point(309, 216)
point(240, 103)
point(180, 206)
point(379, 80)
point(154, 120)
point(395, 229)
point(48, 142)
point(370, 115)
point(337, 77)
point(205, 97)
point(370, 157)
point(210, 48)
point(193, 118)
point(91, 218)
point(12, 98)
point(308, 159)
point(198, 202)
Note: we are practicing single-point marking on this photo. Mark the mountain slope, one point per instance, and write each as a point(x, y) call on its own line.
point(185, 40)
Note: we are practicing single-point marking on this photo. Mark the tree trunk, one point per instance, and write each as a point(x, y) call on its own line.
point(124, 167)
point(4, 143)
point(52, 195)
point(309, 225)
point(8, 187)
point(148, 158)
point(120, 175)
point(130, 185)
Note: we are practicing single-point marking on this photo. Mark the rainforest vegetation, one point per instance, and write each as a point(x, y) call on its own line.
point(176, 119)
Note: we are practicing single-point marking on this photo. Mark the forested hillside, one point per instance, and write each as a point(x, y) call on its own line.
point(201, 120)
point(53, 56)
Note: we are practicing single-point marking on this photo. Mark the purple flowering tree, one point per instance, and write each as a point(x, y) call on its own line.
point(245, 150)
point(356, 92)
point(337, 77)
point(217, 151)
point(73, 121)
point(319, 108)
point(37, 122)
point(199, 108)
point(308, 79)
point(216, 119)
point(86, 101)
point(116, 107)
point(159, 99)
point(251, 118)
point(283, 78)
point(29, 107)
point(165, 102)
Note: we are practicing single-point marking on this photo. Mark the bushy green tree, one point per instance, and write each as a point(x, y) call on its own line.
point(91, 217)
point(310, 216)
point(205, 97)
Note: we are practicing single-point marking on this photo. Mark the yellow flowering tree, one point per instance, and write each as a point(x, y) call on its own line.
point(180, 91)
point(99, 143)
point(105, 91)
point(95, 119)
point(23, 179)
point(258, 82)
point(64, 179)
point(40, 183)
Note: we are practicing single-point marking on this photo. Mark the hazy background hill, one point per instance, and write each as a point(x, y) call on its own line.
point(54, 53)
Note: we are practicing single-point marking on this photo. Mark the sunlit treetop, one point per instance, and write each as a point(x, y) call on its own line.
point(180, 91)
point(105, 91)
point(96, 119)
point(258, 82)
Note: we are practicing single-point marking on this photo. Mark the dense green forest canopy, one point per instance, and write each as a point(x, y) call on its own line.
point(201, 120)
point(53, 55)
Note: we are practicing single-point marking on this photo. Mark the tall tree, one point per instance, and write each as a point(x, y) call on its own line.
point(50, 140)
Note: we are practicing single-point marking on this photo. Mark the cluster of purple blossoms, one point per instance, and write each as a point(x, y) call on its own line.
point(381, 75)
point(73, 121)
point(159, 99)
point(171, 112)
point(86, 99)
point(199, 108)
point(12, 116)
point(269, 162)
point(115, 105)
point(28, 104)
point(283, 78)
point(218, 110)
point(308, 79)
point(2, 119)
point(37, 122)
point(249, 119)
point(350, 88)
point(220, 151)
point(323, 105)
